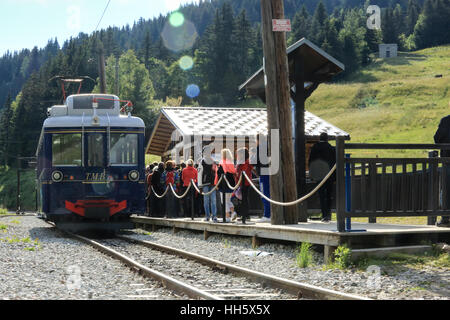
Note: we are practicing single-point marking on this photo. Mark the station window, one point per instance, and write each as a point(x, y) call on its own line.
point(96, 149)
point(124, 149)
point(66, 150)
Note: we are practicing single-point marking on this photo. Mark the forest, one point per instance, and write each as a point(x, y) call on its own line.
point(198, 55)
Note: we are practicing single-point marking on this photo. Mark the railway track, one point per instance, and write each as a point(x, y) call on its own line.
point(200, 277)
point(252, 285)
point(295, 289)
point(216, 281)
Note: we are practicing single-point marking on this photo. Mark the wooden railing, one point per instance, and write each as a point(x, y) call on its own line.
point(391, 187)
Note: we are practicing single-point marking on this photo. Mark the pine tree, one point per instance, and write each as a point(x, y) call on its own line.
point(147, 49)
point(350, 56)
point(399, 20)
point(28, 114)
point(34, 64)
point(433, 24)
point(243, 42)
point(5, 132)
point(318, 22)
point(412, 15)
point(301, 26)
point(320, 15)
point(331, 43)
point(159, 74)
point(388, 28)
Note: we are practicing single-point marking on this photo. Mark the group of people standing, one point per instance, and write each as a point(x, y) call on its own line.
point(159, 177)
point(206, 174)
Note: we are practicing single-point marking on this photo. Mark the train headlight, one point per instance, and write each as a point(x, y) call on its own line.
point(57, 176)
point(133, 176)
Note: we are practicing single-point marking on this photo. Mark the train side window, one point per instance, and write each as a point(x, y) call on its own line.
point(124, 149)
point(66, 149)
point(96, 156)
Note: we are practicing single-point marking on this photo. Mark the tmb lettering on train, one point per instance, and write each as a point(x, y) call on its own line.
point(91, 164)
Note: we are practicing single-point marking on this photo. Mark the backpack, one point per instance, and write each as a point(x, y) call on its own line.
point(169, 178)
point(318, 169)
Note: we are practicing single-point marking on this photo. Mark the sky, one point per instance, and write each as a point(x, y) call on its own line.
point(29, 23)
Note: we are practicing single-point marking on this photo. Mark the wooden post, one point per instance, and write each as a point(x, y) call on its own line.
point(224, 211)
point(116, 89)
point(256, 242)
point(431, 220)
point(328, 254)
point(102, 71)
point(340, 183)
point(373, 186)
point(192, 192)
point(18, 190)
point(283, 185)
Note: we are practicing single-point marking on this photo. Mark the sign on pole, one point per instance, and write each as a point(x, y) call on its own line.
point(281, 25)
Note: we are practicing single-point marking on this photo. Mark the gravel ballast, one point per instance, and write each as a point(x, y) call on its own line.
point(49, 268)
point(212, 280)
point(426, 283)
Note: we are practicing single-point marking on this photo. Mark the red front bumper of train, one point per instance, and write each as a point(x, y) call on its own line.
point(81, 205)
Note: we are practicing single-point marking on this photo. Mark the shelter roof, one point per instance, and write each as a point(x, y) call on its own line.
point(225, 122)
point(319, 67)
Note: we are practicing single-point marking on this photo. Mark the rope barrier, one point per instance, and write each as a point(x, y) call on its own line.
point(293, 203)
point(184, 195)
point(237, 184)
point(164, 194)
point(216, 187)
point(282, 204)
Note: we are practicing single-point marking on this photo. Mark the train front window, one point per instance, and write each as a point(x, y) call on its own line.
point(66, 150)
point(96, 151)
point(124, 149)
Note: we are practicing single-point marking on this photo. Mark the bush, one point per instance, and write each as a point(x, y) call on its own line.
point(365, 97)
point(304, 255)
point(342, 257)
point(8, 189)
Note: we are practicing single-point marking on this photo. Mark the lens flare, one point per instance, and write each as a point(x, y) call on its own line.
point(176, 19)
point(186, 63)
point(179, 38)
point(193, 91)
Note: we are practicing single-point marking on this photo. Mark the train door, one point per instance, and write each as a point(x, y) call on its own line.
point(97, 181)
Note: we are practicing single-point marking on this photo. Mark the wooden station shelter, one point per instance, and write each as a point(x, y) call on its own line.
point(309, 66)
point(177, 126)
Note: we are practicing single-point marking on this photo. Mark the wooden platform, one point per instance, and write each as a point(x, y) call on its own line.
point(326, 234)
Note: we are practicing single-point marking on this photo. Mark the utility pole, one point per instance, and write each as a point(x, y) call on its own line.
point(283, 185)
point(117, 76)
point(101, 70)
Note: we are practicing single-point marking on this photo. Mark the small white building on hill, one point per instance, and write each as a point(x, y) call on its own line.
point(388, 50)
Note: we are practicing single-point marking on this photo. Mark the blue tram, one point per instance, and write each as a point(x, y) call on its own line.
point(91, 164)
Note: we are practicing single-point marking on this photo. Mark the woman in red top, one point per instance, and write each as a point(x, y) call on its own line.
point(226, 167)
point(188, 174)
point(244, 165)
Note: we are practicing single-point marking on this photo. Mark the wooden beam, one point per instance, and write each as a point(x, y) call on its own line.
point(340, 183)
point(154, 133)
point(282, 86)
point(270, 70)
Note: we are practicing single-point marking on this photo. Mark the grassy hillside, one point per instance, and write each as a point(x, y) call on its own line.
point(397, 100)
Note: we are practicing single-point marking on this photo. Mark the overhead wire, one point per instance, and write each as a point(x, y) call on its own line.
point(100, 21)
